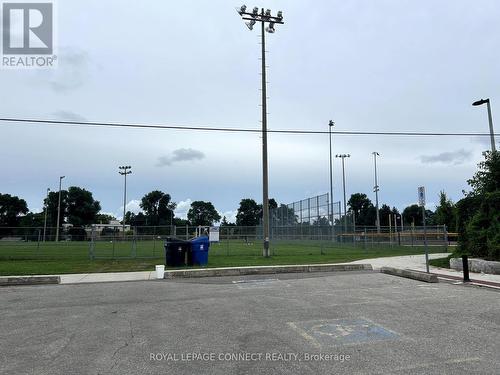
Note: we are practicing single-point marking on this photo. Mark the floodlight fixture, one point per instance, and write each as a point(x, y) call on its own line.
point(268, 12)
point(250, 24)
point(279, 15)
point(255, 11)
point(270, 29)
point(241, 9)
point(480, 102)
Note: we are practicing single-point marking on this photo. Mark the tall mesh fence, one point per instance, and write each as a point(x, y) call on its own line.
point(299, 239)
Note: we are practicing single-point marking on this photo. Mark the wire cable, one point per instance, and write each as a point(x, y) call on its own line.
point(240, 130)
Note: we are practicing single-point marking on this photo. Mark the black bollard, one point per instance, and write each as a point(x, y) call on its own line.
point(465, 265)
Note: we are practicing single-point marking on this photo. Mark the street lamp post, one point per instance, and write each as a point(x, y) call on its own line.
point(343, 157)
point(263, 17)
point(45, 219)
point(125, 169)
point(59, 209)
point(490, 120)
point(376, 189)
point(331, 124)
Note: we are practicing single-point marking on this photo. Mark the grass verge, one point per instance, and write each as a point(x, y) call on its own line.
point(73, 257)
point(441, 262)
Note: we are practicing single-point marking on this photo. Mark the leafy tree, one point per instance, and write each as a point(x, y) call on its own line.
point(202, 213)
point(180, 222)
point(482, 232)
point(225, 223)
point(479, 211)
point(105, 218)
point(273, 204)
point(384, 213)
point(364, 211)
point(11, 207)
point(135, 220)
point(51, 202)
point(446, 213)
point(32, 219)
point(82, 208)
point(248, 214)
point(284, 216)
point(487, 178)
point(158, 208)
point(413, 214)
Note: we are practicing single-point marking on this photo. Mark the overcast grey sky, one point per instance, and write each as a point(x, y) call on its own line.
point(368, 65)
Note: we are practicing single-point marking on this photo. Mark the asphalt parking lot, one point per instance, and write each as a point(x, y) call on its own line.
point(340, 323)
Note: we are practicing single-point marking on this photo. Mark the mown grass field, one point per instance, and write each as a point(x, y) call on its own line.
point(32, 258)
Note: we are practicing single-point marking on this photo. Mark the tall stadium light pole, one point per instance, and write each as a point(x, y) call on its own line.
point(59, 209)
point(125, 169)
point(343, 156)
point(331, 124)
point(376, 189)
point(252, 18)
point(492, 134)
point(45, 219)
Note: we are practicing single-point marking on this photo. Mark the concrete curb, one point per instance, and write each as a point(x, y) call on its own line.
point(264, 270)
point(29, 280)
point(410, 274)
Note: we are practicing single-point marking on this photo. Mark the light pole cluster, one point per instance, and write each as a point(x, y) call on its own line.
point(376, 187)
point(264, 17)
point(124, 171)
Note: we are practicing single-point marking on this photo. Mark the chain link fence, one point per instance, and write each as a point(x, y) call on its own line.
point(111, 242)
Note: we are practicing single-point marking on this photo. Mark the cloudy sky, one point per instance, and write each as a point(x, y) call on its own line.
point(385, 65)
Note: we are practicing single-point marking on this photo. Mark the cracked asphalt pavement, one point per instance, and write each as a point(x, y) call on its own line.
point(337, 323)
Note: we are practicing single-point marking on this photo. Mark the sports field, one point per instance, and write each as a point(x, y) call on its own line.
point(32, 258)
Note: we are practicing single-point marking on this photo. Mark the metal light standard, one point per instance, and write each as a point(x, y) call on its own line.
point(492, 134)
point(343, 156)
point(263, 17)
point(59, 209)
point(376, 189)
point(45, 219)
point(331, 124)
point(125, 172)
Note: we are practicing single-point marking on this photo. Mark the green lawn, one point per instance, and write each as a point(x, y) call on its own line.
point(28, 258)
point(441, 262)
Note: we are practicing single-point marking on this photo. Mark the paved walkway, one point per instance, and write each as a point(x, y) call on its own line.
point(417, 262)
point(414, 262)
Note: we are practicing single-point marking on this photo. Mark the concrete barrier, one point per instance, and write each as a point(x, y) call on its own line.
point(476, 265)
point(264, 270)
point(29, 280)
point(410, 274)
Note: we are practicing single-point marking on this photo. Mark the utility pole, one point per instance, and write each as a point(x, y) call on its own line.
point(125, 172)
point(59, 209)
point(331, 124)
point(421, 202)
point(263, 17)
point(45, 219)
point(343, 156)
point(376, 189)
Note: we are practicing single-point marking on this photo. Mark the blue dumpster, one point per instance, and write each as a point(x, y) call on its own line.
point(199, 251)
